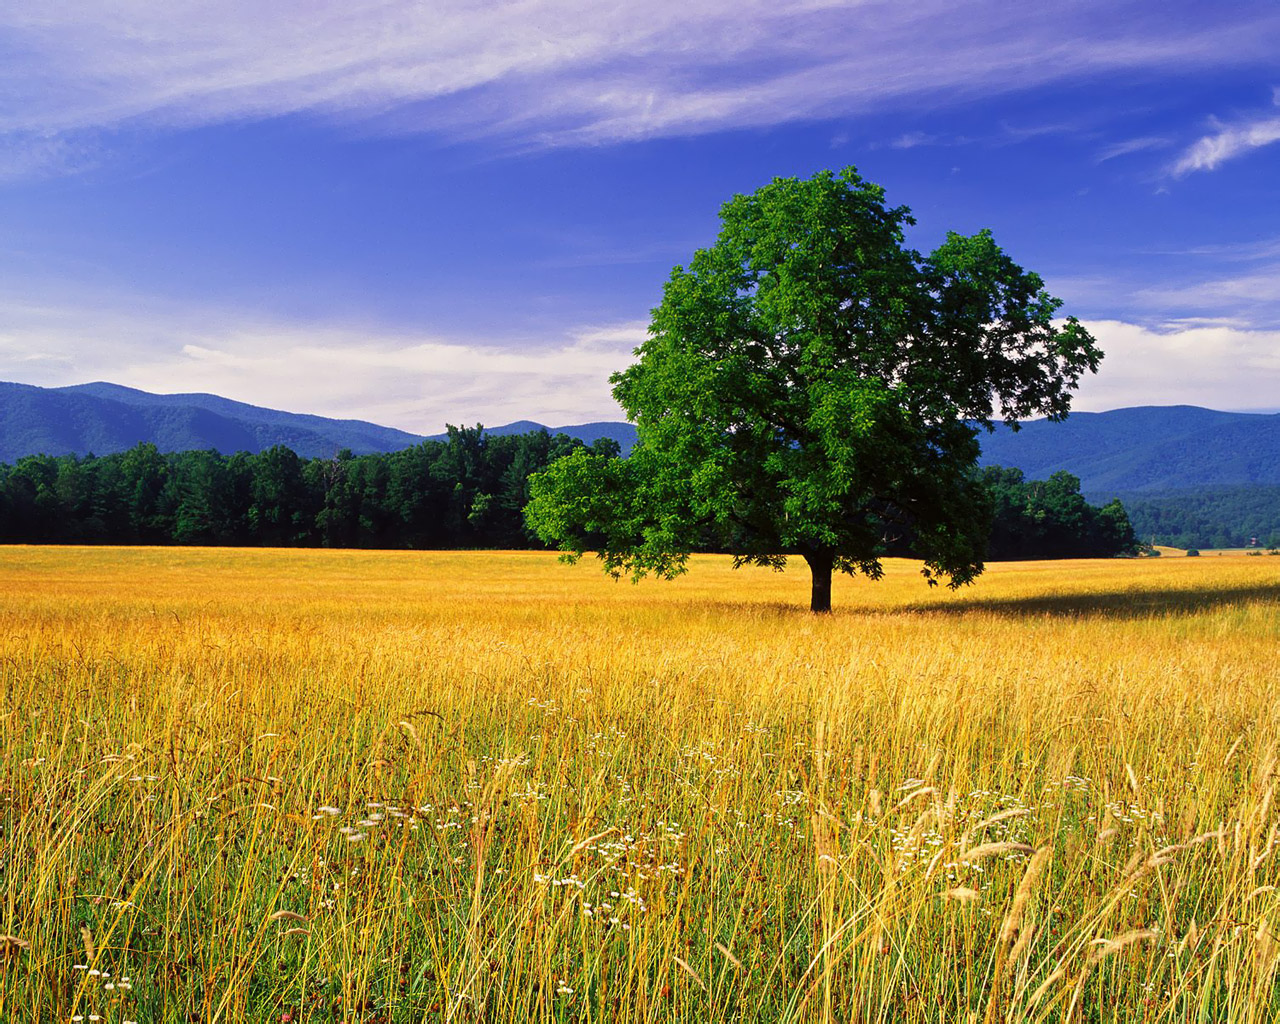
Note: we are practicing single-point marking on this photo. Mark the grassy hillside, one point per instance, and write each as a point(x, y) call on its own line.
point(394, 787)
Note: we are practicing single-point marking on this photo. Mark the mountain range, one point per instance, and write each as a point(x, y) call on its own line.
point(1140, 451)
point(102, 418)
point(1144, 450)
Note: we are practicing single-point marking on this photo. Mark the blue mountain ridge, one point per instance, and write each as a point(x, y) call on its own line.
point(1145, 449)
point(102, 418)
point(1135, 451)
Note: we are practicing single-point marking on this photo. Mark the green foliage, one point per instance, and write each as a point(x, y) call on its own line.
point(467, 491)
point(1051, 519)
point(1193, 552)
point(1208, 517)
point(812, 386)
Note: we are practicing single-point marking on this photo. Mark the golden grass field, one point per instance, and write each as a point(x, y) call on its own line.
point(283, 786)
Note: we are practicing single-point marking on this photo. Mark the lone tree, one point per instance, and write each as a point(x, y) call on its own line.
point(812, 387)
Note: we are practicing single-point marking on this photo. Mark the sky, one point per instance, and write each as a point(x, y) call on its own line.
point(420, 213)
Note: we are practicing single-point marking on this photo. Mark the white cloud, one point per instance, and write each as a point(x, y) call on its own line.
point(1225, 295)
point(1127, 146)
point(1228, 252)
point(910, 140)
point(419, 382)
point(1227, 143)
point(1223, 283)
point(45, 155)
point(1219, 366)
point(566, 71)
point(1006, 135)
point(414, 382)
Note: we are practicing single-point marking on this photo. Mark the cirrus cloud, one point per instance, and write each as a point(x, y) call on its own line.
point(571, 71)
point(1227, 143)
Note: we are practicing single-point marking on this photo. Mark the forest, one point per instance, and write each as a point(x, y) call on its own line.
point(1245, 516)
point(468, 491)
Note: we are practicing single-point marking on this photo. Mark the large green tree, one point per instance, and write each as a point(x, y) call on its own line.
point(812, 386)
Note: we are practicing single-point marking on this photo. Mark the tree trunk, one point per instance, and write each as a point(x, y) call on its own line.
point(820, 564)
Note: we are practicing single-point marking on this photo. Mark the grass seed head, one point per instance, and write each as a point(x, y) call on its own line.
point(11, 945)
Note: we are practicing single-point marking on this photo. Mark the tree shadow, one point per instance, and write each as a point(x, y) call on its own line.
point(1134, 603)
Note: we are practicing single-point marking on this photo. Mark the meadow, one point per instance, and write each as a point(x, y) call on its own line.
point(286, 786)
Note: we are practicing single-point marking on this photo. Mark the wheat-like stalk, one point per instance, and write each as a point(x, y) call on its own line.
point(250, 785)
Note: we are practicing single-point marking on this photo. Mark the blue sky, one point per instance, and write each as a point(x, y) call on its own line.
point(420, 213)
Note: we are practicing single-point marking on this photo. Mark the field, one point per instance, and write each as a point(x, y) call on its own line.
point(392, 787)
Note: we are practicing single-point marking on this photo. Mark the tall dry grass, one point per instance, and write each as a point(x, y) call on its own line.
point(341, 786)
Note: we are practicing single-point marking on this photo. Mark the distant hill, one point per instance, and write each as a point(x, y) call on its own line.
point(1189, 476)
point(102, 418)
point(1207, 517)
point(1144, 450)
point(1149, 450)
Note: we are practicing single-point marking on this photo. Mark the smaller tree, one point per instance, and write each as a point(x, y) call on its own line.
point(813, 387)
point(1051, 519)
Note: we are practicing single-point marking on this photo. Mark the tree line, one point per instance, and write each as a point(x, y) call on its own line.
point(1051, 519)
point(1209, 517)
point(468, 491)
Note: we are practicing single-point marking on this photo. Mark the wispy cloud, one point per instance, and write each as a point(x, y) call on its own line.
point(1243, 252)
point(1202, 294)
point(1005, 134)
point(1228, 141)
point(1230, 280)
point(33, 154)
point(910, 140)
point(1127, 146)
point(413, 381)
point(1215, 283)
point(1011, 134)
point(1233, 293)
point(568, 71)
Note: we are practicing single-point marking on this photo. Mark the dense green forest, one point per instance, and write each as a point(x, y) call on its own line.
point(1208, 517)
point(467, 491)
point(1051, 519)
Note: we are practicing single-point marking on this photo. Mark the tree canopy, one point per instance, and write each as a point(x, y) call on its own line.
point(468, 491)
point(812, 386)
point(1051, 519)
